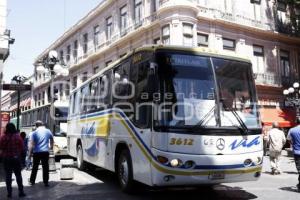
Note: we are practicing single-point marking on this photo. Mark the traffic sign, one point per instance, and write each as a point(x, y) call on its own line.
point(16, 87)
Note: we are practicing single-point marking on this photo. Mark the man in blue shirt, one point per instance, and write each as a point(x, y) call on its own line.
point(39, 148)
point(294, 138)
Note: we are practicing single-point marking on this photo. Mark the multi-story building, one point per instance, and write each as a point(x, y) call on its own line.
point(5, 41)
point(4, 37)
point(6, 102)
point(260, 29)
point(25, 100)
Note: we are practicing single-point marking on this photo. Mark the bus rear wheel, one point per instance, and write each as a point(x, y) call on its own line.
point(124, 171)
point(80, 161)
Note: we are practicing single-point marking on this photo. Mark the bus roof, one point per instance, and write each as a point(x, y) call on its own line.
point(198, 50)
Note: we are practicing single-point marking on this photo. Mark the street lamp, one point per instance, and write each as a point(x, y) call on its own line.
point(292, 96)
point(18, 80)
point(52, 65)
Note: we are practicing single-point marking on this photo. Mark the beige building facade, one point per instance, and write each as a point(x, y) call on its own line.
point(116, 27)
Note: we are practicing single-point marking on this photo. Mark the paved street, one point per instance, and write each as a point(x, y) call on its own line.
point(101, 184)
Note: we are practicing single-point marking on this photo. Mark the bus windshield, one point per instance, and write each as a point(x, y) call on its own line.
point(188, 85)
point(236, 92)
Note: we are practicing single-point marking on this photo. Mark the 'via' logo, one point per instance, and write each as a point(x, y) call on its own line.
point(244, 143)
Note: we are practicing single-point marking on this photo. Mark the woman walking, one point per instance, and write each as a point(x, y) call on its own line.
point(11, 148)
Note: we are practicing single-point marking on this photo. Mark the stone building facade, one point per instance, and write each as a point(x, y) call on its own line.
point(248, 28)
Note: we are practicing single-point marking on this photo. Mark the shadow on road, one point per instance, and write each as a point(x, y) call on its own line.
point(144, 192)
point(290, 189)
point(107, 188)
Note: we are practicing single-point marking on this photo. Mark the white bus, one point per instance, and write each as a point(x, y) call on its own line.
point(57, 125)
point(167, 116)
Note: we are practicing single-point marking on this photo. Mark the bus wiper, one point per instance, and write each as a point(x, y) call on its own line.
point(204, 118)
point(238, 118)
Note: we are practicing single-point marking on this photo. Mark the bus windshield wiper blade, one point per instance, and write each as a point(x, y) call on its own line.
point(201, 121)
point(239, 119)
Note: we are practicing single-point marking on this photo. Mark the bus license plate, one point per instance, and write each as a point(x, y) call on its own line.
point(217, 175)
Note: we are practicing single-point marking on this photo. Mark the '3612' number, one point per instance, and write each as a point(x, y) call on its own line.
point(181, 141)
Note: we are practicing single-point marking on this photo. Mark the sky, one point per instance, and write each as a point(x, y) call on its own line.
point(35, 25)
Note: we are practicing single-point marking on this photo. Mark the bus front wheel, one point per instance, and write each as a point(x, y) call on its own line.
point(80, 161)
point(124, 171)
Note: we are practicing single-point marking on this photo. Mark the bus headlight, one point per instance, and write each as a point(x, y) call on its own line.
point(176, 163)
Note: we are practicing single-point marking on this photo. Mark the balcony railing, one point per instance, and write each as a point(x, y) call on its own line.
point(234, 18)
point(267, 79)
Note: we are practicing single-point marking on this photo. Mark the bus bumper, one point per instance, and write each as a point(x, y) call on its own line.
point(208, 169)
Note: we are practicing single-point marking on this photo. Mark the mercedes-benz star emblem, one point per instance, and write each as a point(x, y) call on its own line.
point(220, 144)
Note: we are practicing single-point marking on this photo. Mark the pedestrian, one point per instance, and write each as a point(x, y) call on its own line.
point(23, 157)
point(294, 138)
point(11, 148)
point(27, 143)
point(265, 139)
point(276, 142)
point(39, 149)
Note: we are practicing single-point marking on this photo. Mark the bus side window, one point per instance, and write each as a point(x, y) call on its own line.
point(104, 91)
point(121, 79)
point(84, 99)
point(122, 88)
point(93, 91)
point(142, 100)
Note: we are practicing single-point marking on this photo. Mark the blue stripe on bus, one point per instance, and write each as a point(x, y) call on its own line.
point(129, 123)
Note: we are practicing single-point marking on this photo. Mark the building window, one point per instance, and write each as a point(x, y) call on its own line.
point(256, 9)
point(187, 34)
point(123, 19)
point(61, 91)
point(85, 43)
point(281, 5)
point(43, 98)
point(281, 11)
point(258, 50)
point(61, 55)
point(166, 34)
point(68, 88)
point(35, 100)
point(137, 11)
point(156, 41)
point(202, 40)
point(96, 36)
point(39, 100)
point(109, 27)
point(96, 69)
point(74, 82)
point(285, 63)
point(228, 44)
point(258, 64)
point(84, 76)
point(68, 56)
point(154, 5)
point(75, 50)
point(255, 1)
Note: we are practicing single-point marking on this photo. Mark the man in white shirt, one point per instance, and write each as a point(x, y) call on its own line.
point(276, 141)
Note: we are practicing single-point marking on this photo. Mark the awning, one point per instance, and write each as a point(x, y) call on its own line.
point(13, 107)
point(285, 117)
point(26, 102)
